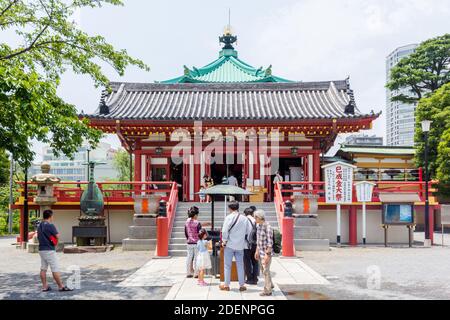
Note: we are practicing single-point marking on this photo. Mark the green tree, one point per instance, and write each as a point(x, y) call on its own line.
point(436, 108)
point(47, 43)
point(121, 163)
point(4, 167)
point(422, 72)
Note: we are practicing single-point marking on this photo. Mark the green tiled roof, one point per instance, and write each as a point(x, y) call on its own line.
point(228, 68)
point(386, 150)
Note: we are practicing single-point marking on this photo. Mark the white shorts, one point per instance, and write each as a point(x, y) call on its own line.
point(48, 257)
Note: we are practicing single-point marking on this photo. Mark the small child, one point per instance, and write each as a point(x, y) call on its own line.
point(203, 261)
point(202, 195)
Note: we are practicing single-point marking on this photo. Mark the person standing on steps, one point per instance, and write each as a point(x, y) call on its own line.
point(235, 229)
point(251, 265)
point(191, 229)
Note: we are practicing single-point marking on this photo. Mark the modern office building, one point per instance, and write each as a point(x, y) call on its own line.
point(76, 169)
point(399, 116)
point(363, 140)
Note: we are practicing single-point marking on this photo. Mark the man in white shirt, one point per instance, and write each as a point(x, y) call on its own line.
point(235, 229)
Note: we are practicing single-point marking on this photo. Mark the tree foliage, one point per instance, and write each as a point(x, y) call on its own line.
point(121, 163)
point(47, 43)
point(422, 72)
point(4, 167)
point(436, 108)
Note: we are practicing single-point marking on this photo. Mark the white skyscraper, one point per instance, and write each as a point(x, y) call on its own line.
point(399, 116)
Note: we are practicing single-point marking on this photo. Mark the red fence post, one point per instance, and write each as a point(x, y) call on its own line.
point(287, 240)
point(162, 237)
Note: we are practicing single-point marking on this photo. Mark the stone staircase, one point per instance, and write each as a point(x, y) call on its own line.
point(177, 242)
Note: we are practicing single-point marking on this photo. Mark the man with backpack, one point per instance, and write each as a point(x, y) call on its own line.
point(251, 265)
point(264, 250)
point(235, 231)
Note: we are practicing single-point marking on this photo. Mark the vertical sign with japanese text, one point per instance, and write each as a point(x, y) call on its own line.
point(338, 182)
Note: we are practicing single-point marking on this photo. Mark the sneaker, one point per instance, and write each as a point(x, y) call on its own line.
point(202, 283)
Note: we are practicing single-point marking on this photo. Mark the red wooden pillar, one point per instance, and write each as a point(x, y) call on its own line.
point(137, 168)
point(352, 225)
point(197, 178)
point(246, 167)
point(185, 177)
point(316, 167)
point(148, 170)
point(256, 165)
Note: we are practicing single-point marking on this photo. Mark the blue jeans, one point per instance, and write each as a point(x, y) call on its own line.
point(228, 258)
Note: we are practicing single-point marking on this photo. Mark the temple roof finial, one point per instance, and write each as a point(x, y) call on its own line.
point(228, 39)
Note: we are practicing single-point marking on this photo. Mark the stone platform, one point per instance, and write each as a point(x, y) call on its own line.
point(142, 234)
point(308, 235)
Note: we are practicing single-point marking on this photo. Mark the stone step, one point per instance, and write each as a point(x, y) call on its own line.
point(138, 244)
point(177, 246)
point(177, 240)
point(305, 222)
point(312, 244)
point(177, 253)
point(177, 234)
point(305, 232)
point(142, 232)
point(144, 221)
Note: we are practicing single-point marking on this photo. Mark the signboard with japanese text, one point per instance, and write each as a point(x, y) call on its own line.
point(338, 182)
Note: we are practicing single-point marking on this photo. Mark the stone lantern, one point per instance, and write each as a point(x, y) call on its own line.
point(45, 194)
point(44, 198)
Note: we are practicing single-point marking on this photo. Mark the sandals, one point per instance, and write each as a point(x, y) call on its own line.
point(47, 290)
point(65, 289)
point(224, 288)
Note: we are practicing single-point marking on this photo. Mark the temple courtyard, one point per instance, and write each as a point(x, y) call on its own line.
point(373, 272)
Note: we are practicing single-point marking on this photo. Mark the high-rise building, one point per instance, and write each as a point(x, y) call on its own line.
point(363, 140)
point(399, 116)
point(76, 169)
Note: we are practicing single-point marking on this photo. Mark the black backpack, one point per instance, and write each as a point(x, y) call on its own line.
point(251, 238)
point(276, 235)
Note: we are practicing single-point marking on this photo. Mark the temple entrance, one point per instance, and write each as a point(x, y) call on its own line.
point(226, 167)
point(176, 175)
point(291, 169)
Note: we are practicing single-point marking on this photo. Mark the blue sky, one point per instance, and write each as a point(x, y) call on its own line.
point(303, 40)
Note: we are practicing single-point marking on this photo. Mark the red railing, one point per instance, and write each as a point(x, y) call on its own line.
point(284, 190)
point(113, 191)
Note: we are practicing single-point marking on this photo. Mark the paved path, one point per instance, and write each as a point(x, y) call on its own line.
point(171, 272)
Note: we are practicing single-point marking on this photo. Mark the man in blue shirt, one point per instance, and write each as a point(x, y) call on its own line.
point(235, 229)
point(48, 238)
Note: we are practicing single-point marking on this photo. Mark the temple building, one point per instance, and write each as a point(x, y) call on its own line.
point(231, 119)
point(228, 118)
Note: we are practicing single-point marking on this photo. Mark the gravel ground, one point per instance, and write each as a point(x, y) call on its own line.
point(404, 273)
point(99, 274)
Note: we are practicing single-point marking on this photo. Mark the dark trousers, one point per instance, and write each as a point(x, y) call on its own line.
point(251, 265)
